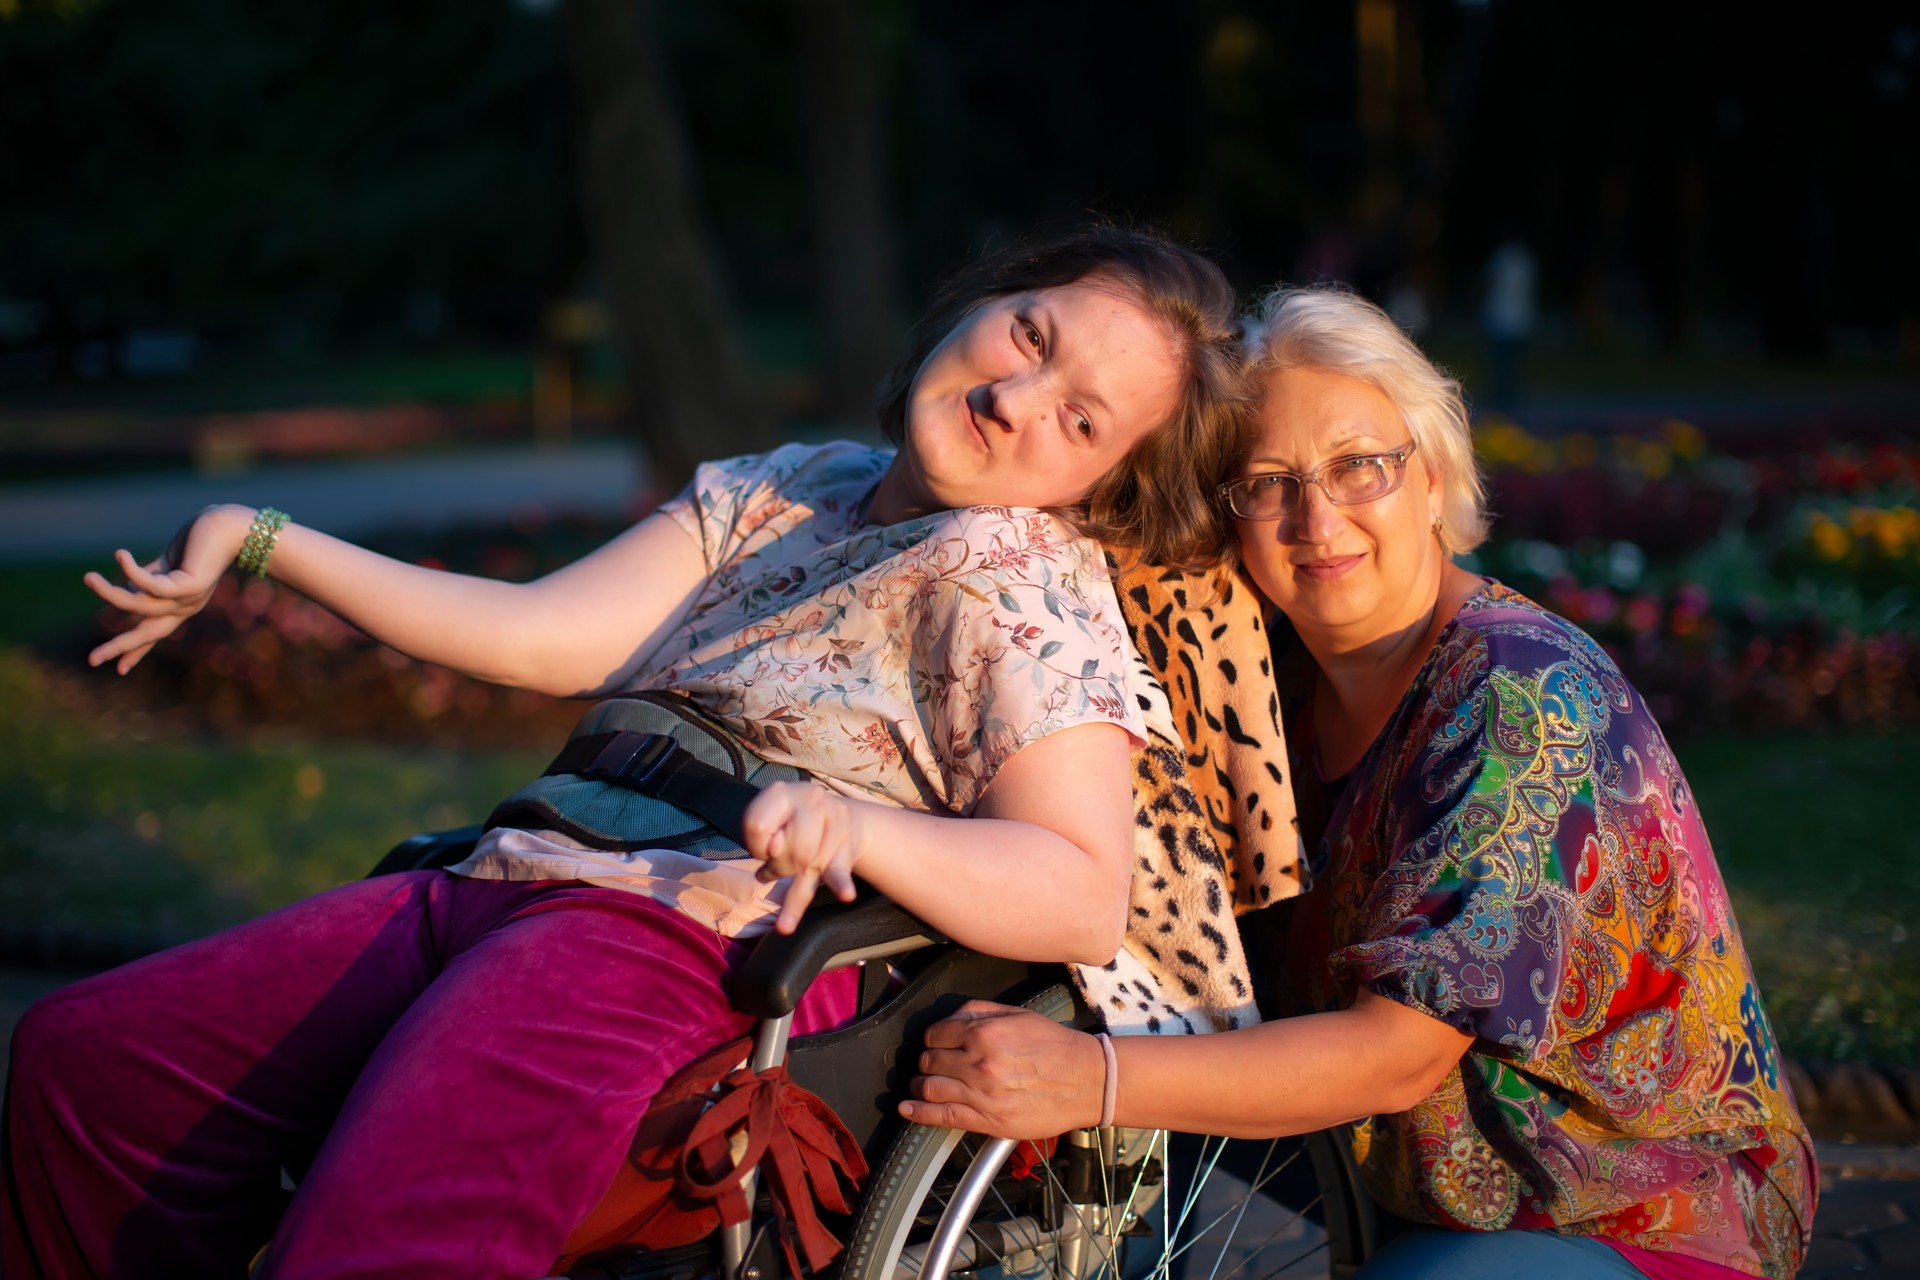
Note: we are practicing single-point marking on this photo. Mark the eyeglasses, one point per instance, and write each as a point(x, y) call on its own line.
point(1278, 495)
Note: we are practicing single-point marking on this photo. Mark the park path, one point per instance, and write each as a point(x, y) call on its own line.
point(68, 519)
point(353, 497)
point(1868, 1224)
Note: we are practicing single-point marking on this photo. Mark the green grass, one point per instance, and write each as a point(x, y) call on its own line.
point(109, 826)
point(1820, 846)
point(47, 601)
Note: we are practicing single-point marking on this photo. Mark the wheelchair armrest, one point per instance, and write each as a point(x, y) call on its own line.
point(428, 849)
point(781, 966)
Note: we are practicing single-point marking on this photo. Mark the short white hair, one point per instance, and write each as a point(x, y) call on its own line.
point(1329, 327)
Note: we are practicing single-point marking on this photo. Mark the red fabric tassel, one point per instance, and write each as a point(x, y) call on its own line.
point(800, 1147)
point(680, 1181)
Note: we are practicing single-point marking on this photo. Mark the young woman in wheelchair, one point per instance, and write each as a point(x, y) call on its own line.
point(1519, 970)
point(454, 1063)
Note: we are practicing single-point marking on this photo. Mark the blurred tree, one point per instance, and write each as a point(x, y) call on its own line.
point(688, 390)
point(11, 9)
point(286, 172)
point(1758, 175)
point(297, 177)
point(852, 239)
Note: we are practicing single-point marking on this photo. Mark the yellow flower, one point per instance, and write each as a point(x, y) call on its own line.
point(1895, 530)
point(1579, 450)
point(1654, 459)
point(1686, 440)
point(1830, 541)
point(1538, 458)
point(1502, 442)
point(1907, 520)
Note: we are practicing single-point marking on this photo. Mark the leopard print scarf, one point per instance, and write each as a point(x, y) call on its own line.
point(1215, 830)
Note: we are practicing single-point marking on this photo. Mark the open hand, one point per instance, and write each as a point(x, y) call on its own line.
point(804, 831)
point(1009, 1073)
point(165, 592)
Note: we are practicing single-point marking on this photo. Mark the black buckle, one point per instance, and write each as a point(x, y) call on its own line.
point(632, 757)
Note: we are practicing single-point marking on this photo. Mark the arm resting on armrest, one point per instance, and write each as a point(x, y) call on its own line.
point(782, 966)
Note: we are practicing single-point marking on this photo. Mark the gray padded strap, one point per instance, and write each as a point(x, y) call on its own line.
point(709, 780)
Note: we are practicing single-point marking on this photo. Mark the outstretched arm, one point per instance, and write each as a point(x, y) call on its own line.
point(1039, 872)
point(1014, 1074)
point(583, 629)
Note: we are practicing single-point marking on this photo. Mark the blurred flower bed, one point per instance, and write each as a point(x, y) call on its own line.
point(260, 655)
point(1751, 592)
point(1737, 592)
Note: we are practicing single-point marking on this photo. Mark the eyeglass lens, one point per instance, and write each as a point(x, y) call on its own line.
point(1347, 481)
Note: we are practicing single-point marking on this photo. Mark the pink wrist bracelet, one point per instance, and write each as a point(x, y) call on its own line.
point(1111, 1094)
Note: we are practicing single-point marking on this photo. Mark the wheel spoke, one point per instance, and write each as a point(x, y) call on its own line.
point(1094, 1238)
point(1013, 1218)
point(1274, 1235)
point(1251, 1191)
point(1294, 1262)
point(1031, 1228)
point(1192, 1201)
point(1226, 1240)
point(1132, 1207)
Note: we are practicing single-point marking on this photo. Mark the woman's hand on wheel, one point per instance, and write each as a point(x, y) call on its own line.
point(808, 833)
point(1009, 1073)
point(165, 592)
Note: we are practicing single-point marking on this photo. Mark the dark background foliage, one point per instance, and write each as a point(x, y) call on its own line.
point(244, 244)
point(281, 176)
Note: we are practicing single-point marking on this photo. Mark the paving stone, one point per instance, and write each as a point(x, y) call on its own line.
point(1855, 1208)
point(1873, 1160)
point(1830, 1253)
point(1897, 1246)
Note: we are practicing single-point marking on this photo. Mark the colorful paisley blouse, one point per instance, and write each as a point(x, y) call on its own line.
point(1519, 855)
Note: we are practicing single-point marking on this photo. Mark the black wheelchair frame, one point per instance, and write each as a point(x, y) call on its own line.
point(912, 977)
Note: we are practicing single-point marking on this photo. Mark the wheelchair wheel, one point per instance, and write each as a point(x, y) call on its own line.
point(1114, 1204)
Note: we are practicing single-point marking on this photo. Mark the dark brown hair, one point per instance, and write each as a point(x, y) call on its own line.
point(1160, 501)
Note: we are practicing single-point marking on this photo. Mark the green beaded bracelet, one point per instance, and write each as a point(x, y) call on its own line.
point(261, 534)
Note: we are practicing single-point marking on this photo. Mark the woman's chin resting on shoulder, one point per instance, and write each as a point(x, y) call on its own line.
point(1518, 970)
point(454, 1062)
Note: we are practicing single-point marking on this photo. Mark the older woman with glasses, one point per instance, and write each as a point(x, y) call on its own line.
point(1519, 971)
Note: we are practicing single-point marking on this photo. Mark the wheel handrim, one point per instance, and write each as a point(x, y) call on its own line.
point(1208, 1228)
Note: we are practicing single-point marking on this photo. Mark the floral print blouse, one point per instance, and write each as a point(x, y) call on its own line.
point(902, 662)
point(1519, 855)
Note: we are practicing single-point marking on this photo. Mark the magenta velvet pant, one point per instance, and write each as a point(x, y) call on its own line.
point(453, 1068)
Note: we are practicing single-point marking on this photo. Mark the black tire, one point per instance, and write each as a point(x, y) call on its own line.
point(1176, 1207)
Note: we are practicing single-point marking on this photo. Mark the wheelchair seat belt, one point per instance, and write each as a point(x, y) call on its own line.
point(655, 765)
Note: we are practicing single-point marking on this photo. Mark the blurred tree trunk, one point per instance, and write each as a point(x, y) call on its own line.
point(687, 386)
point(850, 234)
